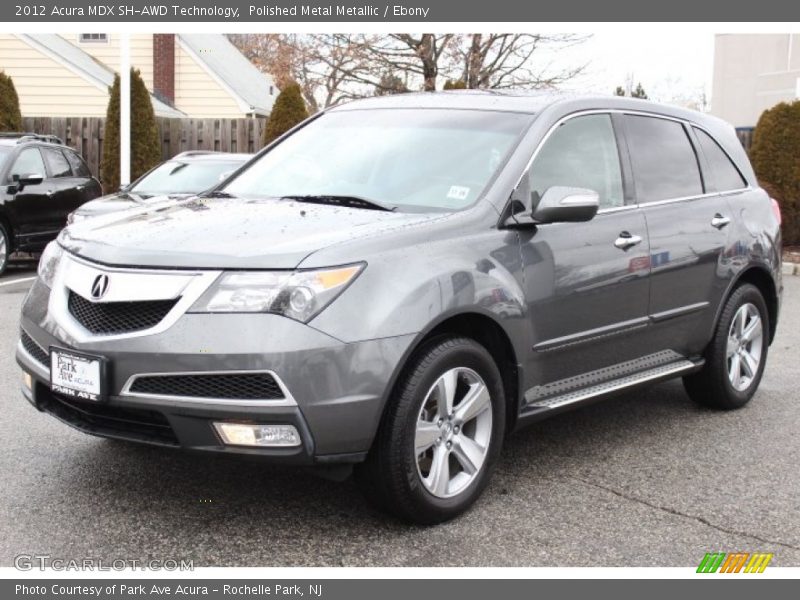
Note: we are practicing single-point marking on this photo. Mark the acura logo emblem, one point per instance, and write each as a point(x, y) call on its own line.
point(100, 286)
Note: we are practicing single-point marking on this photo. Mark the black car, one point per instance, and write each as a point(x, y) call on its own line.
point(186, 174)
point(43, 181)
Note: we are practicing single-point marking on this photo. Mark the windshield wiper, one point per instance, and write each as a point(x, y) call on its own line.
point(349, 201)
point(217, 194)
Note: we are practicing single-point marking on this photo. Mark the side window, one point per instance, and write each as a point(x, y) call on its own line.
point(59, 167)
point(78, 165)
point(29, 162)
point(581, 152)
point(664, 163)
point(726, 175)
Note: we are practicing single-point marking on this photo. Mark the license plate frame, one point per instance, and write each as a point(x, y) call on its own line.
point(90, 369)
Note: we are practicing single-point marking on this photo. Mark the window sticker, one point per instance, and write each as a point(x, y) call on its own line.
point(458, 192)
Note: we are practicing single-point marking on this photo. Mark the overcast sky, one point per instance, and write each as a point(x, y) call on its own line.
point(671, 65)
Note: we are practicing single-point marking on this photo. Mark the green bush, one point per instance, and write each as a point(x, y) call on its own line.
point(775, 155)
point(10, 116)
point(145, 142)
point(455, 84)
point(289, 110)
point(109, 165)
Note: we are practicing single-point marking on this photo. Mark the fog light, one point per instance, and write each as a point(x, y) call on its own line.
point(240, 434)
point(27, 381)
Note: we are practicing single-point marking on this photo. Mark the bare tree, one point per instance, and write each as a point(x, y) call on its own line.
point(506, 60)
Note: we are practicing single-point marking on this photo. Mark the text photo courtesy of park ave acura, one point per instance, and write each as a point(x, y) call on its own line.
point(397, 300)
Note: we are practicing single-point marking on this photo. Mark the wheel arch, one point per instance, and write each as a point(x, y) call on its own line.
point(483, 327)
point(760, 277)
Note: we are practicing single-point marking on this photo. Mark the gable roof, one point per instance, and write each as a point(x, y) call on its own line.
point(84, 65)
point(249, 86)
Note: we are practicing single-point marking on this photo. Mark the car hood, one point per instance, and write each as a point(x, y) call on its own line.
point(227, 233)
point(120, 201)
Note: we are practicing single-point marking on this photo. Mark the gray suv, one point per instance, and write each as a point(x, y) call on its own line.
point(400, 282)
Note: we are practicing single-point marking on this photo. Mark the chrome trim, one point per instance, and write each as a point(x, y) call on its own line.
point(678, 312)
point(591, 334)
point(137, 285)
point(287, 400)
point(609, 111)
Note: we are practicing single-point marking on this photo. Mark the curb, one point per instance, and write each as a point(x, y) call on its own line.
point(790, 268)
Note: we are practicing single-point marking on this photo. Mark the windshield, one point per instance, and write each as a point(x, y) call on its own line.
point(414, 159)
point(177, 177)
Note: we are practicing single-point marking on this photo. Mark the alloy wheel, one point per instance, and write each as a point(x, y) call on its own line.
point(453, 432)
point(745, 342)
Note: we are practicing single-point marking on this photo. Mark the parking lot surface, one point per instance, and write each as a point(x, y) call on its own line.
point(644, 479)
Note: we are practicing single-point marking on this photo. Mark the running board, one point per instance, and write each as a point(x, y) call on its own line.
point(610, 387)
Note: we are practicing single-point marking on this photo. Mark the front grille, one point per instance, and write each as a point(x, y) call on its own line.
point(233, 386)
point(36, 351)
point(111, 421)
point(118, 317)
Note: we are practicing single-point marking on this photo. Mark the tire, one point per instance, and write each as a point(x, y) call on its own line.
point(716, 385)
point(411, 485)
point(5, 248)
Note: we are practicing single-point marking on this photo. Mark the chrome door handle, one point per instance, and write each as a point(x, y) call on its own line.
point(626, 240)
point(719, 221)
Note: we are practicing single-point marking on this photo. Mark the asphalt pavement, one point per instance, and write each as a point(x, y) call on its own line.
point(645, 479)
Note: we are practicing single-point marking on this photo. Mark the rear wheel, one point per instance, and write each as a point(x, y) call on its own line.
point(441, 436)
point(5, 248)
point(736, 357)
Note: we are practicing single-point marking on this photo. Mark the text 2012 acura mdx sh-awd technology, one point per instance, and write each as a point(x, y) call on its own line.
point(400, 282)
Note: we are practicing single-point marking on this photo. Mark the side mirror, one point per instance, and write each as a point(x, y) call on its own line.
point(21, 181)
point(561, 204)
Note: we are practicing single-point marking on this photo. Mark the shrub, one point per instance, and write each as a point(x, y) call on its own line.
point(10, 116)
point(455, 84)
point(775, 155)
point(145, 142)
point(288, 111)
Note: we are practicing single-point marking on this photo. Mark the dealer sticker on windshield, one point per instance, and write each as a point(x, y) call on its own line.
point(78, 376)
point(458, 192)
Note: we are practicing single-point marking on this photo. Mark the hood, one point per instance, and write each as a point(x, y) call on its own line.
point(120, 201)
point(226, 233)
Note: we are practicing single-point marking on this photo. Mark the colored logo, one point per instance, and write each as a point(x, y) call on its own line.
point(734, 562)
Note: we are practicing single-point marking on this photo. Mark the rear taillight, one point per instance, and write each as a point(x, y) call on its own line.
point(776, 208)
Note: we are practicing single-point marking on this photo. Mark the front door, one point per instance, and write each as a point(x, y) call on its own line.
point(31, 208)
point(586, 283)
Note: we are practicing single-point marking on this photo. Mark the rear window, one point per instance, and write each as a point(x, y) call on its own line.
point(59, 167)
point(79, 167)
point(664, 163)
point(726, 175)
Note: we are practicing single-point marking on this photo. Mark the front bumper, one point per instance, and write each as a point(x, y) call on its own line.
point(335, 390)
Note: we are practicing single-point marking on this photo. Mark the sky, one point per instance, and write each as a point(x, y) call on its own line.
point(668, 71)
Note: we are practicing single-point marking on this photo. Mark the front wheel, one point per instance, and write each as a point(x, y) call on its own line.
point(737, 354)
point(441, 436)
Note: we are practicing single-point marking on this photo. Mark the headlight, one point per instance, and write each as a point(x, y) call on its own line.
point(48, 263)
point(299, 295)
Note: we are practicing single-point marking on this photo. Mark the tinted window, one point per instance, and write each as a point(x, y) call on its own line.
point(59, 167)
point(664, 162)
point(29, 162)
point(726, 175)
point(78, 166)
point(581, 152)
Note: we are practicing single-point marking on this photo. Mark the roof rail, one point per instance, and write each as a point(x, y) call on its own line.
point(25, 136)
point(196, 153)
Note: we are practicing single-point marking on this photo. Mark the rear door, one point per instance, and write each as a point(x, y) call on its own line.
point(87, 186)
point(67, 185)
point(688, 225)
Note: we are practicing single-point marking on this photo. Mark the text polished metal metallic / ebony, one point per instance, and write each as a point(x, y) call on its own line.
point(399, 282)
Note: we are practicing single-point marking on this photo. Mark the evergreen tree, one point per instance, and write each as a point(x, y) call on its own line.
point(289, 110)
point(10, 116)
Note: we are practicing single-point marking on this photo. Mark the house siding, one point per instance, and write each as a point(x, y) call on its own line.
point(45, 87)
point(197, 93)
